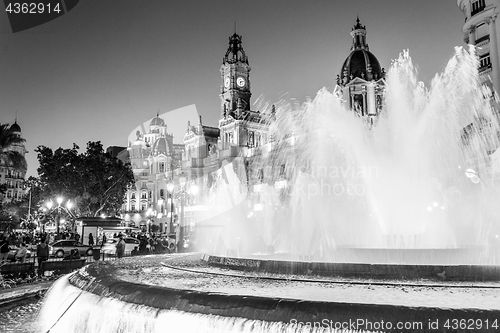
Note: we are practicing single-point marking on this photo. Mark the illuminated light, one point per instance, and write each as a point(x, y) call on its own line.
point(470, 173)
point(435, 204)
point(442, 207)
point(194, 189)
point(258, 207)
point(429, 208)
point(103, 216)
point(59, 200)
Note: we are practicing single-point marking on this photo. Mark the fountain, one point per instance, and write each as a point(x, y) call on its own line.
point(402, 186)
point(352, 202)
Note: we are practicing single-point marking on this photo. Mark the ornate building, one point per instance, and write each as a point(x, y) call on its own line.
point(239, 126)
point(244, 138)
point(481, 30)
point(157, 161)
point(12, 177)
point(361, 79)
point(153, 157)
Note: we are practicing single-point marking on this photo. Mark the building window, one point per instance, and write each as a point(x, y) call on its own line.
point(161, 193)
point(133, 195)
point(477, 6)
point(161, 166)
point(251, 139)
point(144, 195)
point(143, 207)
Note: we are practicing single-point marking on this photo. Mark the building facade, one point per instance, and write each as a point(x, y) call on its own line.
point(482, 30)
point(361, 82)
point(14, 178)
point(244, 138)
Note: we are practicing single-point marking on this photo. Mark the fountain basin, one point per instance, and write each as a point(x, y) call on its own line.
point(187, 295)
point(362, 270)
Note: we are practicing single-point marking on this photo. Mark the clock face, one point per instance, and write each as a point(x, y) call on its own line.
point(240, 82)
point(226, 82)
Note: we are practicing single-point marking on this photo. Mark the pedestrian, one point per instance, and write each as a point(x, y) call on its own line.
point(4, 249)
point(42, 253)
point(104, 239)
point(120, 247)
point(91, 240)
point(21, 253)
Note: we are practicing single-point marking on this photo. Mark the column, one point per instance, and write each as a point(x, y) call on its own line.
point(372, 108)
point(495, 62)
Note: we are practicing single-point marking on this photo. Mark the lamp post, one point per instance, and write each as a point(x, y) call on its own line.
point(160, 214)
point(170, 190)
point(182, 195)
point(59, 200)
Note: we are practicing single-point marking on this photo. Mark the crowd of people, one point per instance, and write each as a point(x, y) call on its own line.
point(150, 243)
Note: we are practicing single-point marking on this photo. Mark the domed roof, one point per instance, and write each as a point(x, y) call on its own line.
point(363, 64)
point(360, 63)
point(162, 146)
point(15, 127)
point(157, 121)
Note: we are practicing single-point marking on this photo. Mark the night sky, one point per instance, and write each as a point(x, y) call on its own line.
point(105, 67)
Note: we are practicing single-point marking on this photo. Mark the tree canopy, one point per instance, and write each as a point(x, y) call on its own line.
point(93, 180)
point(8, 155)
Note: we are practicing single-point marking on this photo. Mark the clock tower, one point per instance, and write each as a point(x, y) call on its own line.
point(235, 73)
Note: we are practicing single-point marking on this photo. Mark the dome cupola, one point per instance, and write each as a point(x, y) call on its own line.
point(15, 128)
point(360, 63)
point(162, 146)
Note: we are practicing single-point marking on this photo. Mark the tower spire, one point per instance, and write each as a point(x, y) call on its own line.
point(358, 34)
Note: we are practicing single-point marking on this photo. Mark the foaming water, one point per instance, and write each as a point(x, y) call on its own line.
point(69, 309)
point(400, 185)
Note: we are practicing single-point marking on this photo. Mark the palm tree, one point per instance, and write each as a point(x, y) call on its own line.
point(9, 156)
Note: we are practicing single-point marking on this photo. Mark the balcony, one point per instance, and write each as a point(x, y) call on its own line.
point(484, 68)
point(477, 9)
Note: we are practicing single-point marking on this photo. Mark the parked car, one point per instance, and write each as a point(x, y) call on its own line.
point(110, 246)
point(63, 248)
point(13, 251)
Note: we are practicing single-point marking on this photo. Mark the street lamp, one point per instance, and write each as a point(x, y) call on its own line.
point(59, 200)
point(170, 190)
point(182, 195)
